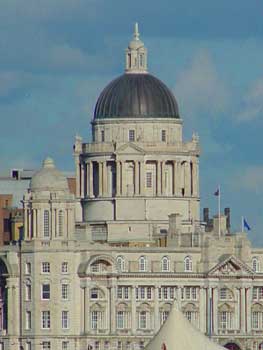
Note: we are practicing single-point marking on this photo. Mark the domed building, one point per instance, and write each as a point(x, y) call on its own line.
point(101, 270)
point(137, 170)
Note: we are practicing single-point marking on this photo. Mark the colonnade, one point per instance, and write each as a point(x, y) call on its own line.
point(34, 222)
point(110, 178)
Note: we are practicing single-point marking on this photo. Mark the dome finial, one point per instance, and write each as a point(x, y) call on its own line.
point(136, 34)
point(136, 54)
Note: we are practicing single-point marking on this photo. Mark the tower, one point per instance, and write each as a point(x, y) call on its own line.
point(137, 170)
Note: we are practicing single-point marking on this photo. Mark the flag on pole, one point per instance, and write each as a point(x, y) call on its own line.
point(246, 225)
point(217, 192)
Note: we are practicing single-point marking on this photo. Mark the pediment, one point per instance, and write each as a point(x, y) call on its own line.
point(230, 265)
point(129, 148)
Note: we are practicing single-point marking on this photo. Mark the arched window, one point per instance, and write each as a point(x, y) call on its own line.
point(60, 222)
point(225, 317)
point(255, 264)
point(165, 264)
point(142, 264)
point(188, 264)
point(121, 263)
point(46, 223)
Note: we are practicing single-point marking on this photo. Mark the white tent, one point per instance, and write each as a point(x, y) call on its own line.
point(177, 333)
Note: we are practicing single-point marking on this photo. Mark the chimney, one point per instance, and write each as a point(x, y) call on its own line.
point(227, 214)
point(206, 215)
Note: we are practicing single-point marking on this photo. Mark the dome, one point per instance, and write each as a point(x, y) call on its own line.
point(48, 178)
point(138, 96)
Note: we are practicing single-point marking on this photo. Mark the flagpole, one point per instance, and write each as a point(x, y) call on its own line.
point(242, 224)
point(219, 210)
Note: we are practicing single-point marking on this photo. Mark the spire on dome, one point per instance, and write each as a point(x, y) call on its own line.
point(136, 54)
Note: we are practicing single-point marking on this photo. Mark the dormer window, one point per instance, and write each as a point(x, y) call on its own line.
point(131, 135)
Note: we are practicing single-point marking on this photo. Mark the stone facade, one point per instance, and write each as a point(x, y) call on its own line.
point(100, 270)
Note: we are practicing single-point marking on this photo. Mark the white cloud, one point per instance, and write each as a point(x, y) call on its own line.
point(200, 89)
point(252, 103)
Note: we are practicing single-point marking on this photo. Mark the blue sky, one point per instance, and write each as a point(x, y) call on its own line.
point(57, 55)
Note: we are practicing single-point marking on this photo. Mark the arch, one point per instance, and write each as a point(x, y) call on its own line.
point(96, 293)
point(120, 261)
point(232, 346)
point(165, 264)
point(142, 263)
point(188, 264)
point(84, 266)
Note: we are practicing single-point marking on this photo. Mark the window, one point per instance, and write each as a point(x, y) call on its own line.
point(121, 263)
point(164, 316)
point(141, 60)
point(45, 291)
point(65, 320)
point(94, 294)
point(126, 292)
point(97, 345)
point(188, 265)
point(255, 264)
point(60, 222)
point(255, 319)
point(28, 346)
point(45, 319)
point(45, 267)
point(96, 319)
point(166, 293)
point(102, 135)
point(194, 293)
point(149, 293)
point(46, 223)
point(148, 179)
point(143, 320)
point(65, 345)
point(225, 320)
point(142, 264)
point(187, 293)
point(165, 264)
point(64, 291)
point(131, 135)
point(28, 268)
point(106, 345)
point(163, 136)
point(64, 267)
point(46, 345)
point(28, 291)
point(28, 320)
point(120, 319)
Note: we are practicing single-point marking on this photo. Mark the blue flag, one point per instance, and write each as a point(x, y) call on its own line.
point(246, 225)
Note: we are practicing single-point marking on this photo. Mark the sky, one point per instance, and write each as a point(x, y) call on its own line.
point(57, 56)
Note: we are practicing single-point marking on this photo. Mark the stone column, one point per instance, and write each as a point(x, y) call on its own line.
point(249, 303)
point(91, 193)
point(113, 309)
point(77, 165)
point(158, 178)
point(175, 177)
point(87, 310)
point(26, 224)
point(118, 178)
point(30, 235)
point(133, 305)
point(243, 310)
point(12, 284)
point(237, 313)
point(215, 309)
point(142, 178)
point(156, 310)
point(187, 179)
point(100, 179)
point(202, 310)
point(82, 181)
point(179, 296)
point(163, 177)
point(104, 175)
point(123, 182)
point(137, 177)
